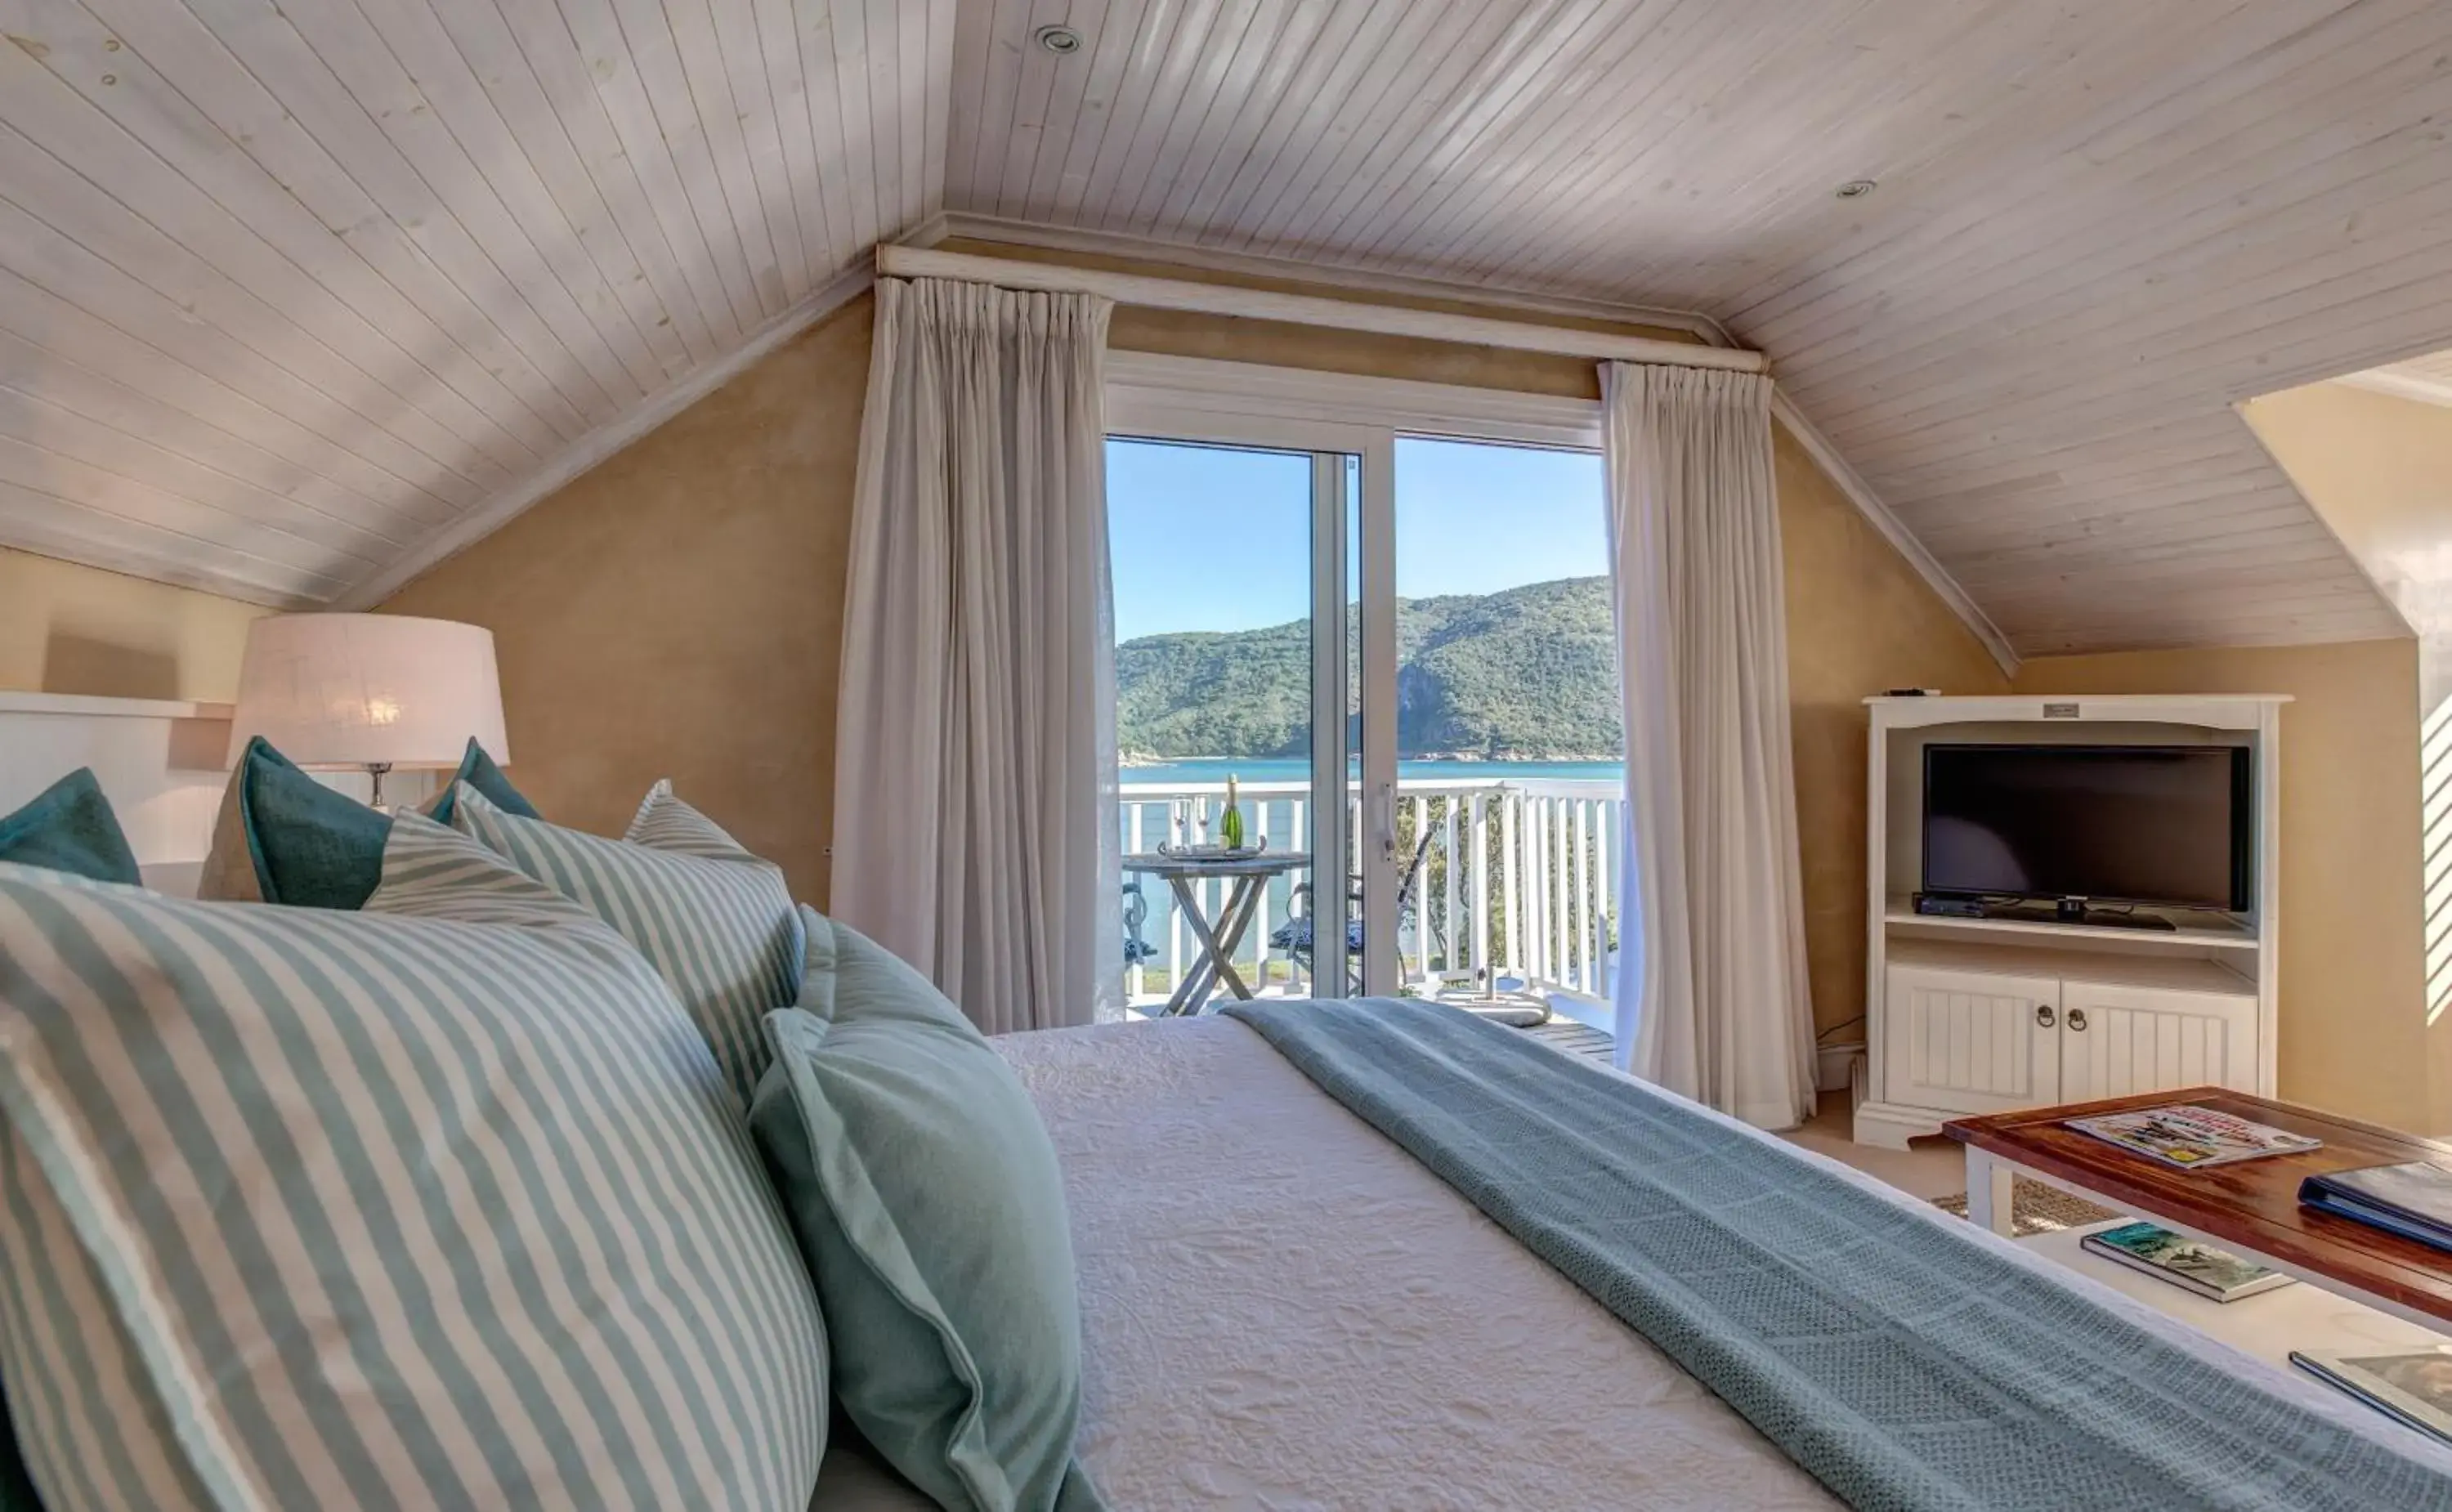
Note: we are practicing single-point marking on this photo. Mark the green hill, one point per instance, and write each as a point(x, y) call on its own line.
point(1528, 673)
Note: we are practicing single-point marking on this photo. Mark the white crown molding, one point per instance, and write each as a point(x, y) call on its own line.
point(603, 442)
point(1323, 275)
point(1310, 309)
point(2399, 386)
point(1902, 540)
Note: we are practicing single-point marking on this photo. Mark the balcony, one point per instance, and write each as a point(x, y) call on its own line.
point(1518, 888)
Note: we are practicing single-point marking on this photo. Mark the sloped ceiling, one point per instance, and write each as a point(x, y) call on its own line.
point(287, 292)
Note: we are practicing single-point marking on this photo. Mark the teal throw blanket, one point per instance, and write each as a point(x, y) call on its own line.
point(1901, 1362)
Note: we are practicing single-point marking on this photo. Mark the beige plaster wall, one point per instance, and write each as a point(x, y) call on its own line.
point(69, 629)
point(678, 611)
point(2354, 1036)
point(1860, 622)
point(2379, 468)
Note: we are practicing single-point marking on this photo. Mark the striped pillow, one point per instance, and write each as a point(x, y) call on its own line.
point(437, 1205)
point(716, 920)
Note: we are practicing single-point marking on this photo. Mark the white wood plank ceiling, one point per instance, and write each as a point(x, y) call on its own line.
point(289, 292)
point(286, 288)
point(2098, 222)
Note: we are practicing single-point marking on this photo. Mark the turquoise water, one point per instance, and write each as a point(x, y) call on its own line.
point(1248, 770)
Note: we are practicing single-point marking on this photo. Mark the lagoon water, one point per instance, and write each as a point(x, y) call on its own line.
point(1177, 774)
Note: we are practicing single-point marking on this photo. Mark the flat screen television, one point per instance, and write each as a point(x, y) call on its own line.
point(2166, 826)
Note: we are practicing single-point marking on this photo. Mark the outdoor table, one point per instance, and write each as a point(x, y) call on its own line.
point(1217, 940)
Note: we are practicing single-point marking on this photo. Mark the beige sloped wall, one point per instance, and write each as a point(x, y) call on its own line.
point(678, 611)
point(1860, 622)
point(2379, 468)
point(66, 628)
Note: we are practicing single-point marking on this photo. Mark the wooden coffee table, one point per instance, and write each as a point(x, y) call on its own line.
point(2250, 1206)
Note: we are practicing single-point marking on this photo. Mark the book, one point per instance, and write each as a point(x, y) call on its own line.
point(2185, 1262)
point(2413, 1199)
point(2188, 1136)
point(2414, 1386)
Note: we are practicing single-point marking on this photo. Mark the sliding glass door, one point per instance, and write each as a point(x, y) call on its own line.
point(1510, 750)
point(1393, 633)
point(1234, 718)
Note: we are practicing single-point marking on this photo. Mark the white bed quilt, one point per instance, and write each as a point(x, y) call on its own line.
point(1282, 1311)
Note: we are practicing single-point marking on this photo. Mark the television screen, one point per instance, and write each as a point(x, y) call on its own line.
point(2163, 825)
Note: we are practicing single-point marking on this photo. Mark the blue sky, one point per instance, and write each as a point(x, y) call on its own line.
point(1212, 539)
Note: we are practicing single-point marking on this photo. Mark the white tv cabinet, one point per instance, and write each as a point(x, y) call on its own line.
point(1973, 1015)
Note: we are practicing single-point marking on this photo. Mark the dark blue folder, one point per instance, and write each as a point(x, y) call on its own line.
point(2412, 1200)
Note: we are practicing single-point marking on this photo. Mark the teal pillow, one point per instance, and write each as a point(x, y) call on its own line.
point(309, 846)
point(930, 1208)
point(312, 846)
point(477, 769)
point(68, 827)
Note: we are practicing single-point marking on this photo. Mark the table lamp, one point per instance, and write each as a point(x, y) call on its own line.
point(370, 692)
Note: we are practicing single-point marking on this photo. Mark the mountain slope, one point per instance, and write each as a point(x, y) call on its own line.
point(1526, 674)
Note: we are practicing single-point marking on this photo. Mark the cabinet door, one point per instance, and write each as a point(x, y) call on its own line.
point(1970, 1042)
point(2120, 1040)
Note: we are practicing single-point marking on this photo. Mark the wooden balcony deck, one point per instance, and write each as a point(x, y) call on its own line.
point(1569, 1037)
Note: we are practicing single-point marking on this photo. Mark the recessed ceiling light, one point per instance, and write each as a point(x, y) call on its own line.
point(1855, 188)
point(1059, 39)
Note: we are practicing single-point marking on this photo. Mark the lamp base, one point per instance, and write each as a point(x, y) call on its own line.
point(376, 770)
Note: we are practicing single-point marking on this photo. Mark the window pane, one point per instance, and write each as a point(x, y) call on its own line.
point(1211, 553)
point(1509, 746)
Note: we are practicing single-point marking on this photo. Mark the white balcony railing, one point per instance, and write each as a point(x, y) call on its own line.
point(1520, 885)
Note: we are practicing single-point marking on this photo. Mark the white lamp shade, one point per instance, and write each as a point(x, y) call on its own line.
point(347, 691)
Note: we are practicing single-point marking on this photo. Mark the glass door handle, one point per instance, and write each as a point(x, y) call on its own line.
point(1383, 817)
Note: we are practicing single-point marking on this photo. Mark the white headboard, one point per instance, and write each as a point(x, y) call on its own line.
point(162, 763)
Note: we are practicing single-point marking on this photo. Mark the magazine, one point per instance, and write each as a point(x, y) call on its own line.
point(2414, 1386)
point(2189, 1136)
point(2184, 1262)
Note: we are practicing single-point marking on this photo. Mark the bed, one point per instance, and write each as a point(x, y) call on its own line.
point(1285, 1310)
point(1283, 1307)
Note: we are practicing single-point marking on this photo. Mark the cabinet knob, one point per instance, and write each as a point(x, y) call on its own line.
point(2044, 1015)
point(2077, 1019)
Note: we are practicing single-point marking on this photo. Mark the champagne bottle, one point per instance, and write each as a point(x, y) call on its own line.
point(1230, 824)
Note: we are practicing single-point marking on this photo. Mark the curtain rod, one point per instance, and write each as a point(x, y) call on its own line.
point(1307, 309)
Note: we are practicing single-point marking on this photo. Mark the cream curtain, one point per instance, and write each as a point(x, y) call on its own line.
point(1712, 994)
point(975, 774)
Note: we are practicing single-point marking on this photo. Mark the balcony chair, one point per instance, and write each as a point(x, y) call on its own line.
point(1294, 935)
point(1136, 949)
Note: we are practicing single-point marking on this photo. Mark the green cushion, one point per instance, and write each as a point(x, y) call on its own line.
point(312, 846)
point(477, 769)
point(68, 827)
point(930, 1207)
